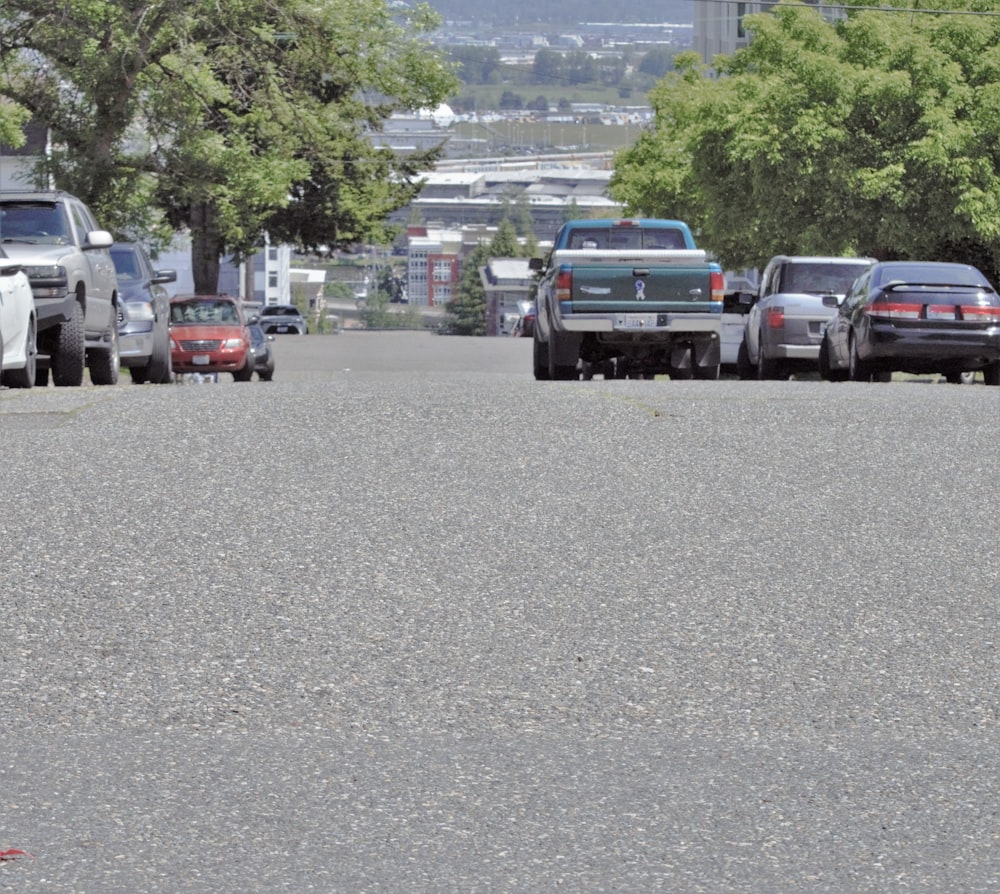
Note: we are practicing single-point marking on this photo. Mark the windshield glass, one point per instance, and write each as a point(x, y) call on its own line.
point(35, 222)
point(824, 279)
point(205, 310)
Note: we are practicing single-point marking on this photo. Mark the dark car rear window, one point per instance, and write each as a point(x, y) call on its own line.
point(280, 312)
point(933, 274)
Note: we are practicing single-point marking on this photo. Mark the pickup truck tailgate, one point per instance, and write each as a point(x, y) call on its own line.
point(660, 283)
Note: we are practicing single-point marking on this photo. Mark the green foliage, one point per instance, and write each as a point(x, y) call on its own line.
point(228, 117)
point(877, 136)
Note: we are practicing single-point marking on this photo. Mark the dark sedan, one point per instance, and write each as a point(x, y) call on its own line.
point(143, 314)
point(263, 355)
point(915, 317)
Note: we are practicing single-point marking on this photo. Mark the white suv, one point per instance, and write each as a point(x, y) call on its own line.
point(55, 238)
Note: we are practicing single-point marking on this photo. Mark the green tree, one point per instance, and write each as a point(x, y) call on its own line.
point(466, 312)
point(657, 62)
point(227, 117)
point(875, 136)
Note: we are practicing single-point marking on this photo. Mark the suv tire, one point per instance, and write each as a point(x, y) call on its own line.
point(69, 352)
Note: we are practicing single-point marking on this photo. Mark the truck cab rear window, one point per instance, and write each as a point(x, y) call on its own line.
point(627, 238)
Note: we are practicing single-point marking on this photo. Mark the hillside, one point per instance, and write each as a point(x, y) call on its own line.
point(563, 13)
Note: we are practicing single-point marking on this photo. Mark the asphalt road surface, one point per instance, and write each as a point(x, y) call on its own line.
point(405, 619)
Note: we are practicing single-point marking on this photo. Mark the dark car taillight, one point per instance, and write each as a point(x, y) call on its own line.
point(894, 310)
point(980, 313)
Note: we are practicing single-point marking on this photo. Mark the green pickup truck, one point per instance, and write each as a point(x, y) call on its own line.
point(627, 298)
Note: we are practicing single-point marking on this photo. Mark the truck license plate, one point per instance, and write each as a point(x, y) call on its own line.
point(201, 360)
point(640, 321)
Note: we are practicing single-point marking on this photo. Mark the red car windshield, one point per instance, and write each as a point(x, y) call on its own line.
point(204, 311)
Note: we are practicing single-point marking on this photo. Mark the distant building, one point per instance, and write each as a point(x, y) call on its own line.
point(719, 30)
point(433, 264)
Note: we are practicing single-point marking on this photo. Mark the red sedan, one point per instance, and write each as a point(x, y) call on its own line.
point(208, 334)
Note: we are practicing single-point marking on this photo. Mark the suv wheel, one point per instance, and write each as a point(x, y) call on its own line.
point(69, 351)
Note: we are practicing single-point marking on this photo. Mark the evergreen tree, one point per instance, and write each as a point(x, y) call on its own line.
point(467, 309)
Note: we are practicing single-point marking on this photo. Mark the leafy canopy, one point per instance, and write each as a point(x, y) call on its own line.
point(229, 117)
point(878, 135)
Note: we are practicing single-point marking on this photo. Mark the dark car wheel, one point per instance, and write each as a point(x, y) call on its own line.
point(267, 373)
point(744, 368)
point(158, 369)
point(69, 353)
point(991, 374)
point(858, 370)
point(246, 373)
point(826, 371)
point(105, 363)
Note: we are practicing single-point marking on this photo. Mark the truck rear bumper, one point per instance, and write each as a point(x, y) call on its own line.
point(639, 323)
point(796, 352)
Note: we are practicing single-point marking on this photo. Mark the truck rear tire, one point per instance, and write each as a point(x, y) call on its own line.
point(69, 352)
point(540, 357)
point(561, 372)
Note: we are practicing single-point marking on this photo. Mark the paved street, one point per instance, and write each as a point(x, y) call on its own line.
point(405, 619)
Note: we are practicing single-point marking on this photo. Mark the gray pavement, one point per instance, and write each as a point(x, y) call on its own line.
point(406, 620)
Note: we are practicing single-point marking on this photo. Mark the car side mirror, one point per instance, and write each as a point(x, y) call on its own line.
point(536, 264)
point(747, 298)
point(254, 319)
point(162, 276)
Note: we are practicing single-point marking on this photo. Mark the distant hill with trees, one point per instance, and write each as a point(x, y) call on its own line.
point(562, 13)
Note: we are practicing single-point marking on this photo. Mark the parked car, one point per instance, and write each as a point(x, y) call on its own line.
point(263, 356)
point(65, 254)
point(784, 325)
point(282, 318)
point(18, 326)
point(916, 317)
point(143, 314)
point(209, 334)
point(526, 325)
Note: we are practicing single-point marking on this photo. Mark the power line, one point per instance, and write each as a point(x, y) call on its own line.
point(765, 6)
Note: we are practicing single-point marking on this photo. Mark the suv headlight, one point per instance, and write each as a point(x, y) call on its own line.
point(48, 282)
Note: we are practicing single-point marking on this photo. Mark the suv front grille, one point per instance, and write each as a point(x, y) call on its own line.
point(202, 345)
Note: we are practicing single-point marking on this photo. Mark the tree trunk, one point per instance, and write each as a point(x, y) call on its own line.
point(206, 249)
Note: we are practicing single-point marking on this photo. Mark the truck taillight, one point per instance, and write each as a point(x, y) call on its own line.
point(775, 317)
point(717, 283)
point(564, 285)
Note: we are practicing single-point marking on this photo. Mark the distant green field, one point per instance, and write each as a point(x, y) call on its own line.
point(498, 137)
